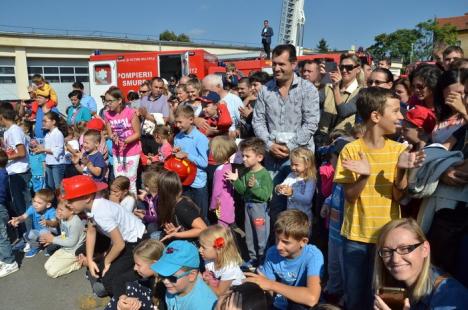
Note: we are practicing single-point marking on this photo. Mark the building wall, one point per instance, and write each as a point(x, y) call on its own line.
point(462, 36)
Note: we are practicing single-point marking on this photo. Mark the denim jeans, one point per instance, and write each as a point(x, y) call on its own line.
point(279, 170)
point(257, 228)
point(335, 268)
point(200, 197)
point(21, 198)
point(6, 254)
point(54, 176)
point(358, 269)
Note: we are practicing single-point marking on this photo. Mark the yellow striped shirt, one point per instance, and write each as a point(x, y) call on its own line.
point(375, 207)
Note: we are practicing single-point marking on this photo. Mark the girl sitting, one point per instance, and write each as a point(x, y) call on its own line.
point(148, 199)
point(120, 193)
point(222, 259)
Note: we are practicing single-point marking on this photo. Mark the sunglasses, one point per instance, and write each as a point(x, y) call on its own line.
point(143, 91)
point(174, 278)
point(348, 67)
point(376, 82)
point(402, 250)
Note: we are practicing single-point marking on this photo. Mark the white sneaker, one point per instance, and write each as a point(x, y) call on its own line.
point(27, 248)
point(1, 264)
point(8, 269)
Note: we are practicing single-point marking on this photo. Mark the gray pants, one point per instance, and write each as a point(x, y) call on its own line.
point(257, 228)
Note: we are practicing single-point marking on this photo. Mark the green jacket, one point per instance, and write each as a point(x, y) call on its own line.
point(260, 192)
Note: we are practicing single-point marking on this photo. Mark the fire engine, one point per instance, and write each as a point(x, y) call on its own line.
point(128, 70)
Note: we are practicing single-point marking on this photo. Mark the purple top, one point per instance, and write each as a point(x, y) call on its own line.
point(222, 199)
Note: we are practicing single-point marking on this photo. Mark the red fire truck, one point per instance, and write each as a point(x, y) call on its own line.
point(128, 70)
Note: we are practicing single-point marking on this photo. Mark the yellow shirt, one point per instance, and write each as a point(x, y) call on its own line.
point(375, 207)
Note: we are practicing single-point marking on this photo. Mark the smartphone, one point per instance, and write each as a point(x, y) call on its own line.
point(331, 66)
point(394, 297)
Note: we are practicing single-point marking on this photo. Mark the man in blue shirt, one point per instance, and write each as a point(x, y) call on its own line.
point(178, 270)
point(86, 100)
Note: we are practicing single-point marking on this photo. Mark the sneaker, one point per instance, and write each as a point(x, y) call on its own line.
point(249, 265)
point(33, 252)
point(7, 269)
point(46, 254)
point(27, 248)
point(18, 245)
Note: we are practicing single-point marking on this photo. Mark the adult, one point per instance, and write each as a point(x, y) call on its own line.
point(76, 113)
point(154, 102)
point(258, 79)
point(144, 89)
point(402, 88)
point(183, 80)
point(385, 63)
point(214, 83)
point(246, 93)
point(451, 54)
point(381, 77)
point(313, 72)
point(404, 254)
point(367, 70)
point(267, 33)
point(43, 108)
point(86, 100)
point(286, 115)
point(423, 83)
point(344, 88)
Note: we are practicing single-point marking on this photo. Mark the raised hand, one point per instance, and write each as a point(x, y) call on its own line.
point(252, 181)
point(360, 166)
point(231, 176)
point(409, 160)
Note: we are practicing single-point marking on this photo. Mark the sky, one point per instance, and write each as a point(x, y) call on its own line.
point(341, 23)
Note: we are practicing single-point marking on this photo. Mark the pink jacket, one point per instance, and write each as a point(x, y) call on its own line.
point(222, 198)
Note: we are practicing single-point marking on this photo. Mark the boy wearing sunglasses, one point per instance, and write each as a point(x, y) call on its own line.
point(178, 270)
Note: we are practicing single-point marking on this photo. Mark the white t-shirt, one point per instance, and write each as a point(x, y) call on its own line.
point(55, 142)
point(108, 215)
point(233, 103)
point(227, 273)
point(128, 203)
point(74, 144)
point(13, 137)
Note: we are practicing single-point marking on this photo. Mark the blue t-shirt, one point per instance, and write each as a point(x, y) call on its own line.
point(88, 102)
point(48, 214)
point(39, 132)
point(200, 297)
point(98, 161)
point(77, 115)
point(292, 272)
point(36, 163)
point(4, 188)
point(109, 152)
point(336, 204)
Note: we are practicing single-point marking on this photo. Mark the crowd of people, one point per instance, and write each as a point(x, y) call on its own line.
point(320, 187)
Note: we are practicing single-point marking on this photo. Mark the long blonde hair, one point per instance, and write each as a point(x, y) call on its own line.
point(424, 284)
point(307, 156)
point(223, 241)
point(149, 249)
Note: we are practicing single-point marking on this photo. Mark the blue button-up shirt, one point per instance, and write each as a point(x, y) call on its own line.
point(297, 114)
point(88, 102)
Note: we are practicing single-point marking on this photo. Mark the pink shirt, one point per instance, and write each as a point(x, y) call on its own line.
point(121, 124)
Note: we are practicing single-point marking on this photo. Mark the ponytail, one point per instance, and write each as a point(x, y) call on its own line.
point(60, 123)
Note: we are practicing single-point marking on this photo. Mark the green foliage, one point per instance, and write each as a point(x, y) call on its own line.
point(419, 41)
point(171, 36)
point(322, 46)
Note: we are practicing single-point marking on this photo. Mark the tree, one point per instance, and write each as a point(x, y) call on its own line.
point(322, 46)
point(397, 44)
point(171, 36)
point(432, 35)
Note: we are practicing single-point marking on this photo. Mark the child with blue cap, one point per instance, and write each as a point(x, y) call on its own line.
point(178, 270)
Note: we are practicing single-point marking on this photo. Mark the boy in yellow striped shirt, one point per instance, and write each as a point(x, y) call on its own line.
point(372, 170)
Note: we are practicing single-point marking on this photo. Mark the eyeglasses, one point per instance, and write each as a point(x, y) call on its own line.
point(401, 250)
point(376, 82)
point(175, 278)
point(348, 67)
point(110, 101)
point(143, 91)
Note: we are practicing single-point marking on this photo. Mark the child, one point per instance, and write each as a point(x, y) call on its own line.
point(417, 126)
point(177, 215)
point(91, 162)
point(36, 161)
point(256, 187)
point(222, 259)
point(216, 115)
point(149, 198)
point(42, 88)
point(178, 270)
point(8, 265)
point(122, 228)
point(15, 143)
point(147, 290)
point(123, 126)
point(120, 193)
point(190, 143)
point(72, 236)
point(161, 134)
point(372, 170)
point(54, 149)
point(292, 269)
point(299, 185)
point(42, 215)
point(222, 198)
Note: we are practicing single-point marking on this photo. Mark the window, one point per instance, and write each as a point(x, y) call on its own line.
point(81, 70)
point(59, 74)
point(7, 70)
point(67, 79)
point(35, 70)
point(82, 78)
point(7, 75)
point(66, 70)
point(52, 78)
point(51, 70)
point(102, 74)
point(7, 79)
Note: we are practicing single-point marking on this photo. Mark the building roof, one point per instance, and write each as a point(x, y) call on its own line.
point(461, 22)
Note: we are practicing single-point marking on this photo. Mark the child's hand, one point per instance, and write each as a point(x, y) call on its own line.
point(408, 160)
point(46, 238)
point(139, 213)
point(170, 231)
point(84, 160)
point(142, 194)
point(176, 149)
point(231, 176)
point(181, 155)
point(82, 260)
point(252, 181)
point(14, 222)
point(360, 166)
point(325, 211)
point(93, 268)
point(128, 303)
point(43, 221)
point(455, 101)
point(287, 190)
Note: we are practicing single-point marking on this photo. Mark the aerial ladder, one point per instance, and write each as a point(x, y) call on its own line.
point(292, 24)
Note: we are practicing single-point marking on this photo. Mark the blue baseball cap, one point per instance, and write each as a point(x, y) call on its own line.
point(211, 97)
point(176, 255)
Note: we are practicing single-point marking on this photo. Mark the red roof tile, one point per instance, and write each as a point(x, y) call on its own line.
point(461, 22)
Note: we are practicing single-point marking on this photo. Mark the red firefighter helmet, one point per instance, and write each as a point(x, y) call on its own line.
point(185, 169)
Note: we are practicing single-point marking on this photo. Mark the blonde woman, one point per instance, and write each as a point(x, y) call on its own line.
point(403, 252)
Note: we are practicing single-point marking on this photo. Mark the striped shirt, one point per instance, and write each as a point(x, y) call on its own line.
point(375, 207)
